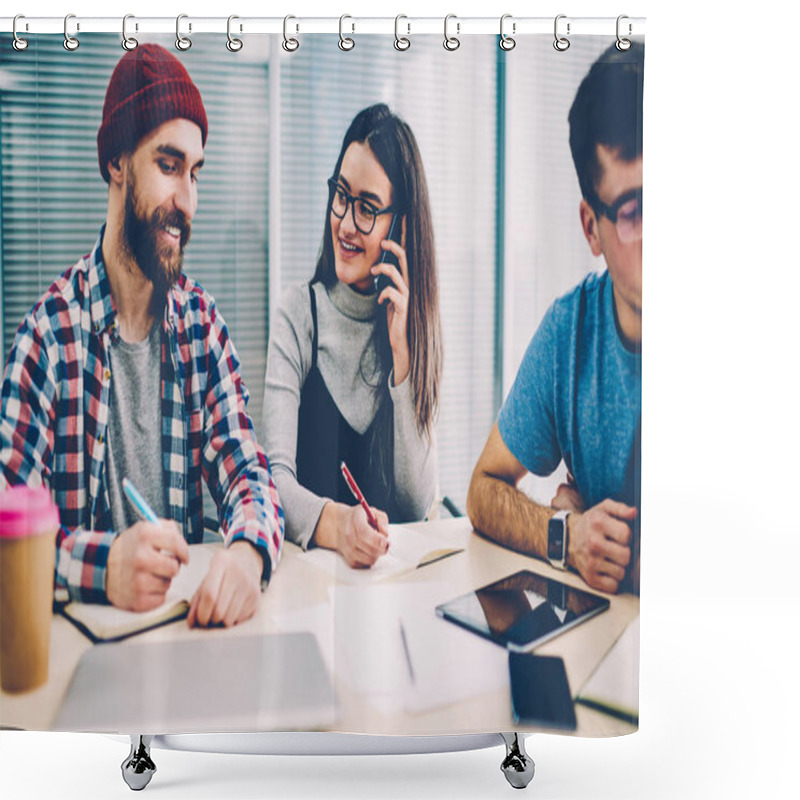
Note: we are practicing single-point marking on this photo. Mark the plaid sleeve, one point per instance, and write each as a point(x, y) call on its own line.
point(27, 410)
point(235, 466)
point(81, 560)
point(27, 429)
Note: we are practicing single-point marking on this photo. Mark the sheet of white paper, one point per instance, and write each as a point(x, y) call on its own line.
point(190, 576)
point(406, 549)
point(449, 663)
point(369, 646)
point(360, 637)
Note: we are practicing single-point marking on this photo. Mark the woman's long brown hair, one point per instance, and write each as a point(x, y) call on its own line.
point(393, 144)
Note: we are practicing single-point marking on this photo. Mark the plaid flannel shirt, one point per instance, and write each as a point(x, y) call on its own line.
point(54, 418)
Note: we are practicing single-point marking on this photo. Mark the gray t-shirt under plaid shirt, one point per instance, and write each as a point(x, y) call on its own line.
point(134, 427)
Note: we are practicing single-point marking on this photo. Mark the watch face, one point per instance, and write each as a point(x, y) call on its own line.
point(555, 539)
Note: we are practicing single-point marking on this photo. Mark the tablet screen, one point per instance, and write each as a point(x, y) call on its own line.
point(522, 610)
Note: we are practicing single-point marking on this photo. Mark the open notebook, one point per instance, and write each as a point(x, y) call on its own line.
point(105, 623)
point(408, 550)
point(614, 685)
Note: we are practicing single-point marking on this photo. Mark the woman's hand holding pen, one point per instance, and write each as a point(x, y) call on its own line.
point(398, 298)
point(346, 529)
point(359, 543)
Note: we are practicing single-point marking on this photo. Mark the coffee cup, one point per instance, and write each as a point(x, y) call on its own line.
point(28, 526)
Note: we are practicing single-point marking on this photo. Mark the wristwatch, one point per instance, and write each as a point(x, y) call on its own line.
point(557, 539)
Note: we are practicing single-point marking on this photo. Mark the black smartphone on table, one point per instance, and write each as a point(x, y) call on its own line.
point(388, 257)
point(540, 692)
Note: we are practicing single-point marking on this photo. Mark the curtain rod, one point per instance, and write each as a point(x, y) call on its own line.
point(349, 25)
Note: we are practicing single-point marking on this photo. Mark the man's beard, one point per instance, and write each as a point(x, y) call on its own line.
point(162, 266)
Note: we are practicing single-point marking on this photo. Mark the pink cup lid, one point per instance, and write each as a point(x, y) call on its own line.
point(25, 511)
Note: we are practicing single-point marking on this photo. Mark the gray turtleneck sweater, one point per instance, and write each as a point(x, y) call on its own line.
point(345, 322)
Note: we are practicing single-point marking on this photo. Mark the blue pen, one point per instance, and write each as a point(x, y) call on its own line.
point(141, 505)
point(138, 502)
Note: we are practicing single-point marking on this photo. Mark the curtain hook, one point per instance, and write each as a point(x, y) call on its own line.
point(182, 43)
point(401, 42)
point(289, 44)
point(70, 42)
point(506, 42)
point(345, 42)
point(451, 43)
point(19, 44)
point(622, 43)
point(561, 43)
point(233, 44)
point(128, 42)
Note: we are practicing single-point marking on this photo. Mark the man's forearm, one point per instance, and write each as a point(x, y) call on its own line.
point(502, 512)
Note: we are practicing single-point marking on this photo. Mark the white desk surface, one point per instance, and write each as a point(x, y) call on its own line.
point(297, 585)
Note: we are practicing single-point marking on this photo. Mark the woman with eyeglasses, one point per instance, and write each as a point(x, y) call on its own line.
point(355, 355)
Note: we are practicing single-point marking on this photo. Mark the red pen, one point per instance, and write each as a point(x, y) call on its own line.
point(351, 482)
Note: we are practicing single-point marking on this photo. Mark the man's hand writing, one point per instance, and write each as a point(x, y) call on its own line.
point(142, 562)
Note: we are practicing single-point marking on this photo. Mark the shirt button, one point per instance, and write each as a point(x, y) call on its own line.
point(100, 439)
point(107, 374)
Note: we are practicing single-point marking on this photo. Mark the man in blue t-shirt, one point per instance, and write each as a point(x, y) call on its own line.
point(577, 395)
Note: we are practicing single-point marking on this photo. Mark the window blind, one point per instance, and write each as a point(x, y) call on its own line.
point(546, 252)
point(53, 199)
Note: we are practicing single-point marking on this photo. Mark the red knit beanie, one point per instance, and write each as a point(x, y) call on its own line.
point(148, 87)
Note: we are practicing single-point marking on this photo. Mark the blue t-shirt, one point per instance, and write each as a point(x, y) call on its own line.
point(578, 396)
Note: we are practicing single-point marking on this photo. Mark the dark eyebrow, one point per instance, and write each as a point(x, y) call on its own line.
point(631, 194)
point(365, 195)
point(174, 152)
point(371, 196)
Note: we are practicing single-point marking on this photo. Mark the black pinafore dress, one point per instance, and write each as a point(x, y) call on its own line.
point(325, 439)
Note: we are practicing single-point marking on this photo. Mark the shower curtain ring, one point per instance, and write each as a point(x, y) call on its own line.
point(561, 43)
point(451, 43)
point(401, 42)
point(70, 42)
point(182, 42)
point(622, 43)
point(345, 42)
point(19, 44)
point(506, 42)
point(233, 44)
point(128, 42)
point(289, 44)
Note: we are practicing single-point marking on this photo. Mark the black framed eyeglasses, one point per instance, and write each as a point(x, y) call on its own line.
point(365, 213)
point(625, 212)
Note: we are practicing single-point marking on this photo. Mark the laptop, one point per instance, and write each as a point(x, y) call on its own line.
point(209, 683)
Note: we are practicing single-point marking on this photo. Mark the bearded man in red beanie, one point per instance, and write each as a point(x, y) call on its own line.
point(125, 369)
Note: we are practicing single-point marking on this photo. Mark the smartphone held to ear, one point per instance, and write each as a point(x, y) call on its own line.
point(388, 257)
point(540, 692)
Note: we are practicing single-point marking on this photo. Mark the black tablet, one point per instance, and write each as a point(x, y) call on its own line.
point(522, 610)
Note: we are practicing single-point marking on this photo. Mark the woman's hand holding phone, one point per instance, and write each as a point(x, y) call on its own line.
point(397, 295)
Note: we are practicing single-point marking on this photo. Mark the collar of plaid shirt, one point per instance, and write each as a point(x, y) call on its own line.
point(101, 303)
point(60, 362)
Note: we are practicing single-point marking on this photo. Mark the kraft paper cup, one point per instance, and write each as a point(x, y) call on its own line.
point(28, 526)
